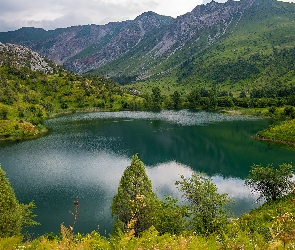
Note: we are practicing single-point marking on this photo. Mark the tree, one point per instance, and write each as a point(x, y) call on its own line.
point(207, 209)
point(243, 94)
point(269, 182)
point(289, 111)
point(194, 98)
point(213, 97)
point(13, 215)
point(135, 203)
point(156, 98)
point(175, 100)
point(3, 113)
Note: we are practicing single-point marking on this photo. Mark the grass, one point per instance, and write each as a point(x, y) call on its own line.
point(283, 133)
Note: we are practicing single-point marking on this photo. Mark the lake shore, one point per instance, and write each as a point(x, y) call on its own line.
point(31, 132)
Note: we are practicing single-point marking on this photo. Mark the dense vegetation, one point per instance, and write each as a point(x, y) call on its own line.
point(254, 75)
point(142, 221)
point(255, 52)
point(28, 97)
point(283, 133)
point(251, 67)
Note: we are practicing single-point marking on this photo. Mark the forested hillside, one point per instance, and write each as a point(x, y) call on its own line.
point(33, 88)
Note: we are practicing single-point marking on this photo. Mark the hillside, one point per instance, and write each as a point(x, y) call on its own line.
point(237, 45)
point(33, 88)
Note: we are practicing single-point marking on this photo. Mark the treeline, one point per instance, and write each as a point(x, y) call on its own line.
point(213, 99)
point(32, 96)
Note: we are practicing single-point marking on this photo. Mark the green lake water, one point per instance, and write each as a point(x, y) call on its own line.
point(85, 155)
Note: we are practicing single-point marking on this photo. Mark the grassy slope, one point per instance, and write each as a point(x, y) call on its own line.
point(283, 133)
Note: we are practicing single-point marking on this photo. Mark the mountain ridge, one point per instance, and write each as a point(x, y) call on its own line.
point(155, 46)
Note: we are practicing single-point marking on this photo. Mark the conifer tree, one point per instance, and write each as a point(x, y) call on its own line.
point(134, 206)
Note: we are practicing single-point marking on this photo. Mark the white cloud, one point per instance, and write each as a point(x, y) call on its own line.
point(51, 14)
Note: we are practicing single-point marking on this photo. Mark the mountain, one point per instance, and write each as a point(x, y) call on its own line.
point(84, 48)
point(232, 43)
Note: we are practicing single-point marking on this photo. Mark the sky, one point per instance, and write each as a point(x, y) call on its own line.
point(52, 14)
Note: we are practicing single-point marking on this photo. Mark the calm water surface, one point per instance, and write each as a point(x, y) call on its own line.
point(85, 155)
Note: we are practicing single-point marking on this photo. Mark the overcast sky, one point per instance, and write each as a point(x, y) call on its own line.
point(52, 14)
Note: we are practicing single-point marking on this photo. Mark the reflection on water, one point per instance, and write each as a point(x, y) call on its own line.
point(85, 155)
point(164, 176)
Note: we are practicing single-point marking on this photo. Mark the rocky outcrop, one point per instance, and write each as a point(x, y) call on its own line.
point(20, 56)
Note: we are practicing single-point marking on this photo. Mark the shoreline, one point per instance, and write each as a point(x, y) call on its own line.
point(44, 130)
point(280, 142)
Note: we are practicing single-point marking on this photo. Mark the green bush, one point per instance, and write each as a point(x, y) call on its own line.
point(208, 210)
point(10, 219)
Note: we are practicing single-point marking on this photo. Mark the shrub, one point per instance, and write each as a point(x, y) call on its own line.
point(269, 182)
point(208, 210)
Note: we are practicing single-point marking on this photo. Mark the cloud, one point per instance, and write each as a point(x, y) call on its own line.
point(51, 14)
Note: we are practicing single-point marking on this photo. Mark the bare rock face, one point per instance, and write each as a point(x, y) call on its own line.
point(21, 56)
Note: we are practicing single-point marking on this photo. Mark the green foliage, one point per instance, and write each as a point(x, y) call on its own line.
point(3, 113)
point(135, 203)
point(269, 182)
point(194, 98)
point(13, 215)
point(270, 226)
point(282, 133)
point(11, 221)
point(208, 210)
point(156, 98)
point(289, 111)
point(33, 96)
point(171, 217)
point(176, 102)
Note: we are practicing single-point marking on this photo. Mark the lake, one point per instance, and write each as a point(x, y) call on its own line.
point(85, 154)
